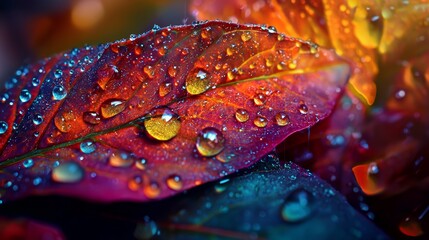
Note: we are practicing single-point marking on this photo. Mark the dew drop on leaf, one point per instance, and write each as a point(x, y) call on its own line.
point(3, 127)
point(152, 190)
point(303, 109)
point(259, 99)
point(91, 118)
point(162, 124)
point(282, 119)
point(174, 182)
point(59, 92)
point(112, 107)
point(246, 36)
point(172, 71)
point(120, 160)
point(297, 206)
point(210, 142)
point(68, 172)
point(165, 88)
point(197, 82)
point(135, 183)
point(28, 163)
point(149, 71)
point(38, 119)
point(63, 121)
point(25, 96)
point(260, 121)
point(141, 164)
point(87, 147)
point(241, 115)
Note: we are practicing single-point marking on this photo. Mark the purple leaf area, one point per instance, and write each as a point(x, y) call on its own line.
point(154, 115)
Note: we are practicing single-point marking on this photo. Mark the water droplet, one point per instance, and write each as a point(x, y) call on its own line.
point(87, 147)
point(152, 190)
point(175, 182)
point(411, 227)
point(120, 160)
point(59, 92)
point(210, 142)
point(25, 96)
point(172, 71)
point(162, 124)
point(272, 29)
point(35, 82)
point(259, 99)
point(91, 118)
point(3, 127)
point(268, 62)
point(58, 73)
point(28, 163)
point(135, 183)
point(246, 36)
point(162, 51)
point(141, 164)
point(197, 82)
point(241, 115)
point(229, 51)
point(206, 33)
point(63, 121)
point(303, 109)
point(112, 107)
point(260, 121)
point(68, 172)
point(37, 181)
point(149, 71)
point(292, 64)
point(165, 88)
point(282, 119)
point(400, 94)
point(297, 206)
point(230, 75)
point(146, 230)
point(373, 169)
point(38, 119)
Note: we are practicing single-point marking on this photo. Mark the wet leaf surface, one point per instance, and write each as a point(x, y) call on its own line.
point(153, 115)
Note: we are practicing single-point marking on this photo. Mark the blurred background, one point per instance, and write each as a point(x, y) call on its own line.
point(35, 29)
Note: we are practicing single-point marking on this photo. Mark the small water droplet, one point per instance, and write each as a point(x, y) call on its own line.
point(3, 127)
point(112, 107)
point(162, 124)
point(165, 88)
point(400, 94)
point(241, 115)
point(152, 190)
point(87, 147)
point(141, 164)
point(282, 119)
point(206, 33)
point(303, 109)
point(91, 118)
point(272, 29)
point(259, 99)
point(133, 37)
point(197, 82)
point(37, 181)
point(246, 36)
point(174, 182)
point(150, 71)
point(373, 169)
point(25, 96)
point(38, 119)
point(121, 160)
point(297, 206)
point(172, 71)
point(292, 64)
point(230, 75)
point(35, 82)
point(68, 172)
point(229, 51)
point(260, 121)
point(135, 183)
point(59, 92)
point(210, 142)
point(58, 73)
point(28, 163)
point(162, 51)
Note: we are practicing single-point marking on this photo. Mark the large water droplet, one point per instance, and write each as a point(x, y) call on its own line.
point(260, 121)
point(282, 119)
point(64, 121)
point(68, 172)
point(112, 107)
point(25, 96)
point(259, 99)
point(59, 92)
point(241, 115)
point(198, 82)
point(152, 190)
point(91, 118)
point(38, 119)
point(174, 182)
point(3, 127)
point(210, 142)
point(121, 160)
point(162, 124)
point(87, 147)
point(297, 206)
point(28, 163)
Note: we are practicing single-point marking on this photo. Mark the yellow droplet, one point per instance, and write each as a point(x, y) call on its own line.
point(343, 8)
point(149, 71)
point(252, 66)
point(282, 119)
point(260, 121)
point(218, 66)
point(120, 160)
point(152, 190)
point(268, 62)
point(229, 51)
point(162, 51)
point(174, 182)
point(141, 164)
point(64, 121)
point(230, 75)
point(165, 88)
point(162, 124)
point(198, 82)
point(210, 142)
point(241, 115)
point(246, 36)
point(172, 71)
point(259, 99)
point(280, 66)
point(206, 33)
point(112, 107)
point(292, 64)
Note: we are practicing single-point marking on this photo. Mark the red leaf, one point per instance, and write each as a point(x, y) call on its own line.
point(160, 113)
